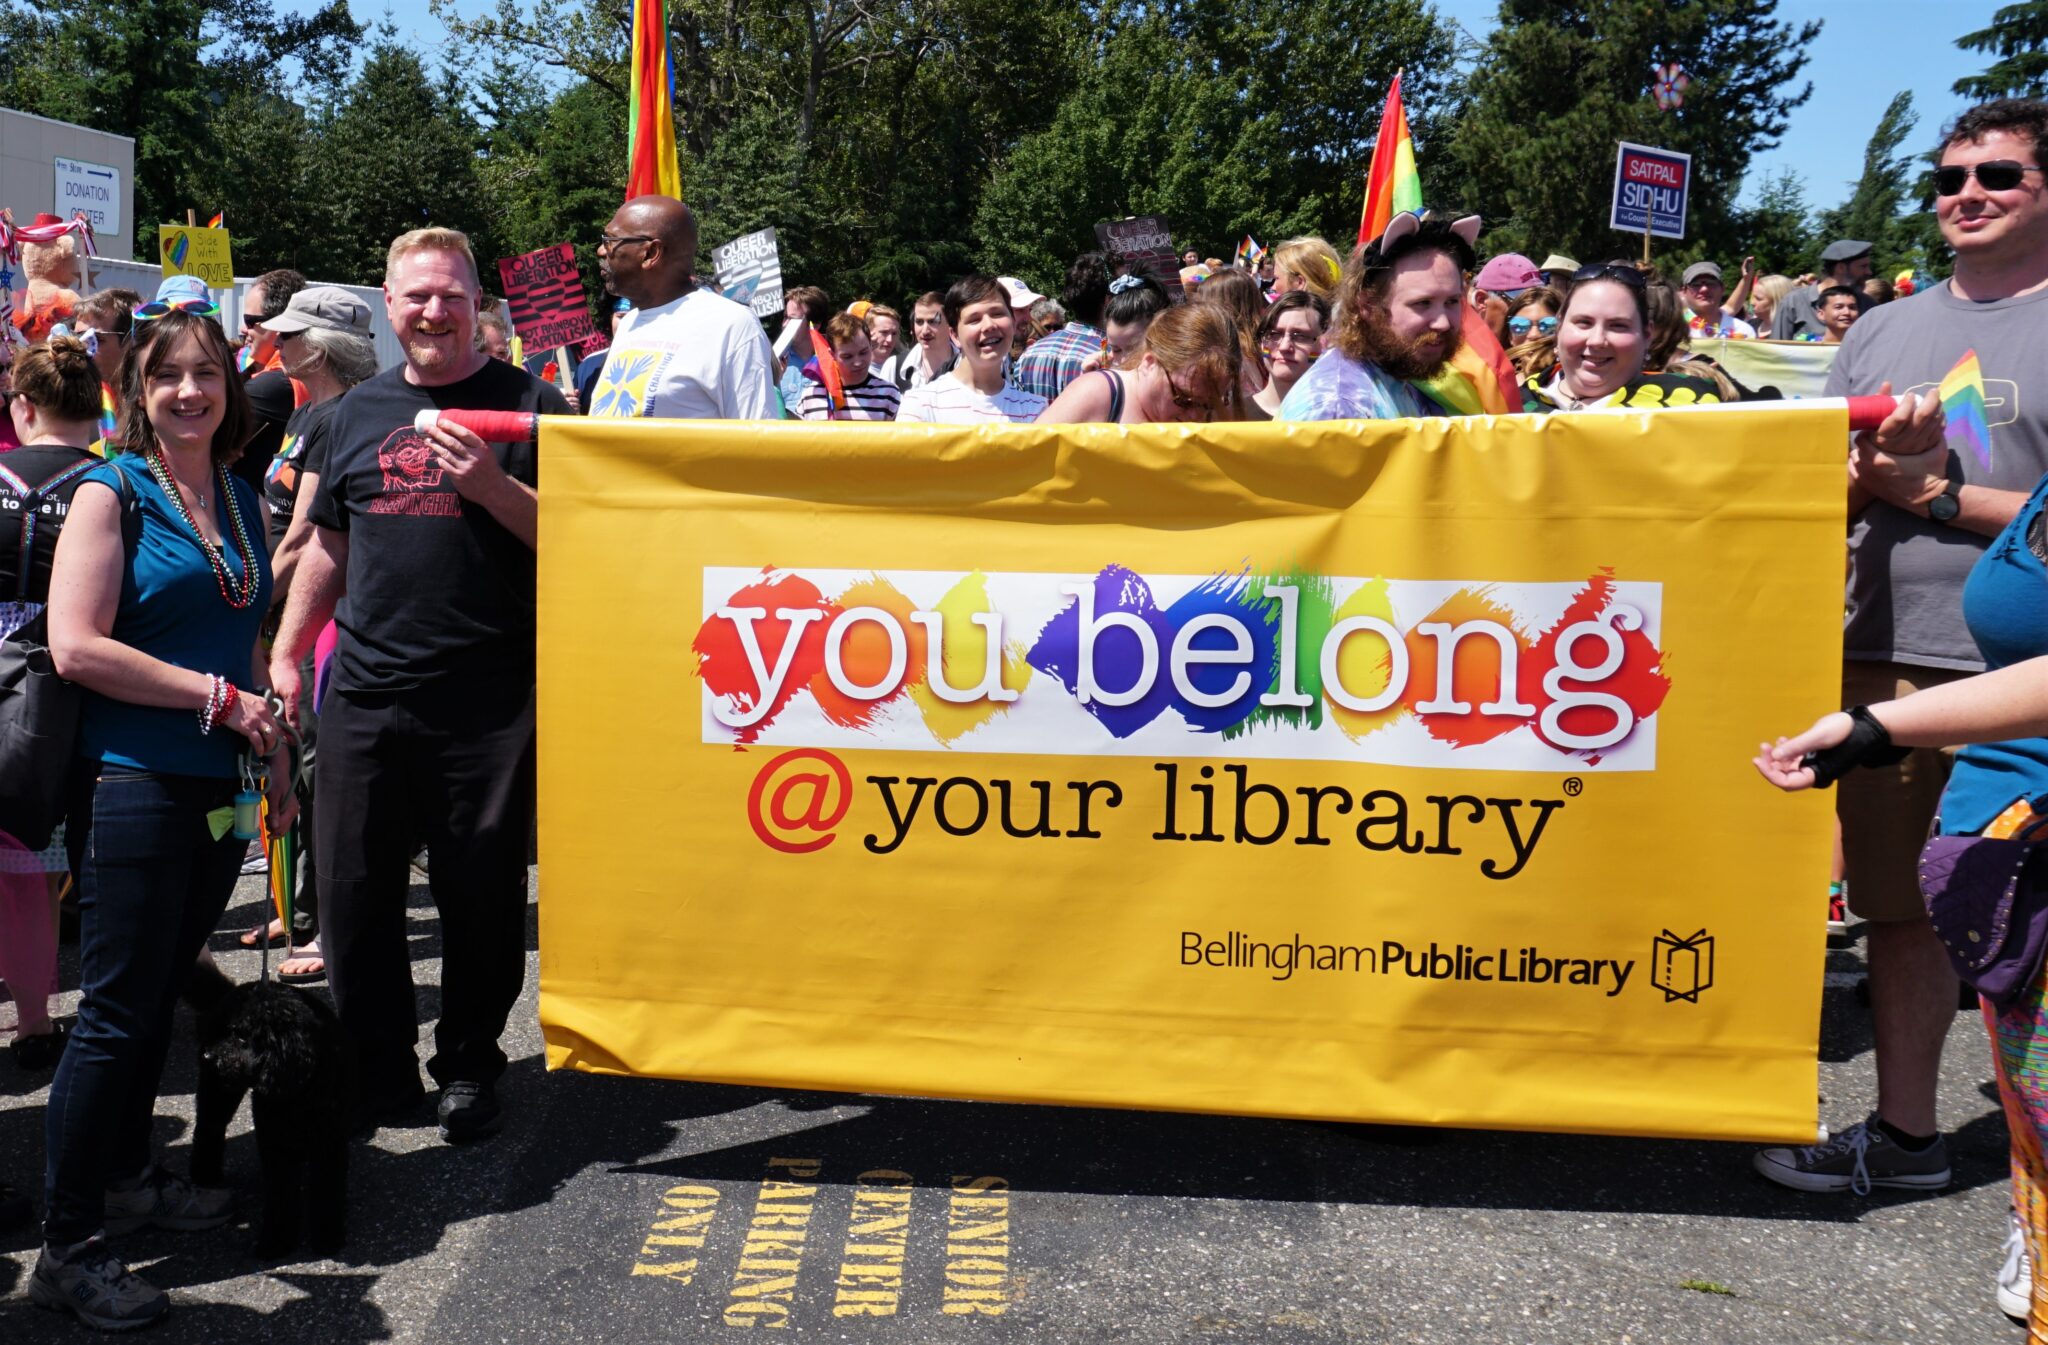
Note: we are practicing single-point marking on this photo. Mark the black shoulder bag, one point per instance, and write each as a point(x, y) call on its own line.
point(39, 709)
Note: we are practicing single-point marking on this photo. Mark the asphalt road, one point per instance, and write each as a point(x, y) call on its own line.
point(630, 1210)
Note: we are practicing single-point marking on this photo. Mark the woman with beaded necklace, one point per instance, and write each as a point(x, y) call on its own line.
point(160, 584)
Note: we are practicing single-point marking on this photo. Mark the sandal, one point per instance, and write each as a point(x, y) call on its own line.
point(254, 938)
point(310, 953)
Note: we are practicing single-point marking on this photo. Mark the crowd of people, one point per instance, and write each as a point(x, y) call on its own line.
point(240, 548)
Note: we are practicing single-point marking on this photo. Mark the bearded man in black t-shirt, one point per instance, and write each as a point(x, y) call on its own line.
point(422, 553)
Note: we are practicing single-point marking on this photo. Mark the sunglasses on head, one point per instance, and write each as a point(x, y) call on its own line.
point(1991, 175)
point(157, 308)
point(1627, 275)
point(1521, 326)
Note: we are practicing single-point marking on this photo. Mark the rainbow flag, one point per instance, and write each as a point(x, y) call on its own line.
point(1962, 405)
point(1392, 185)
point(220, 218)
point(1249, 254)
point(651, 127)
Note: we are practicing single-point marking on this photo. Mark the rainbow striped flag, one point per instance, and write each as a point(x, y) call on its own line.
point(1249, 254)
point(220, 218)
point(651, 168)
point(1962, 406)
point(1392, 185)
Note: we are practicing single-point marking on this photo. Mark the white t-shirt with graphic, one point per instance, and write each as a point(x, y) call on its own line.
point(700, 357)
point(947, 401)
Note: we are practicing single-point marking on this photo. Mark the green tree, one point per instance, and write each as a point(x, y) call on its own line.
point(1872, 210)
point(165, 72)
point(1778, 229)
point(399, 152)
point(1561, 81)
point(862, 132)
point(2018, 37)
point(1217, 115)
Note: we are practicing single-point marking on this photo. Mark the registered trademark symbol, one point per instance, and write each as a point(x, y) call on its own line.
point(1573, 786)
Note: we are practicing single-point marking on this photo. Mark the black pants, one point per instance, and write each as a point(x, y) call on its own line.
point(451, 766)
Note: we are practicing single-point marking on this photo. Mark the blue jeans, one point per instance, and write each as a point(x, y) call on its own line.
point(153, 884)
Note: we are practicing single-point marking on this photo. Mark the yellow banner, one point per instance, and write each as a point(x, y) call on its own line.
point(188, 250)
point(1794, 368)
point(1391, 772)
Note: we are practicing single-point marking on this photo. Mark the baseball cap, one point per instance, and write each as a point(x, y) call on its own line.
point(1844, 250)
point(1508, 271)
point(175, 288)
point(1698, 269)
point(329, 308)
point(1021, 294)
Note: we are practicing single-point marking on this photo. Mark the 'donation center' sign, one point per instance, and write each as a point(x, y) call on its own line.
point(1653, 185)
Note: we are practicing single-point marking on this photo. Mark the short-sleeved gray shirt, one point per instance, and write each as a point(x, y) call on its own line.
point(1906, 572)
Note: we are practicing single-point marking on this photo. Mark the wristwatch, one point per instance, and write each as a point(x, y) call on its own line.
point(1944, 507)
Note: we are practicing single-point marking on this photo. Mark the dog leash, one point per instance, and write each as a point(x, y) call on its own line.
point(277, 849)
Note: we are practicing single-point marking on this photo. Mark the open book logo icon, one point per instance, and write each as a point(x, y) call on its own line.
point(1682, 967)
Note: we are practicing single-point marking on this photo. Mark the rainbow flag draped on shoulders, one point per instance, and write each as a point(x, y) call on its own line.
point(651, 168)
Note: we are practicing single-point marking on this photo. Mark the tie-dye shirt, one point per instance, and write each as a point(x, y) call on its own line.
point(1337, 387)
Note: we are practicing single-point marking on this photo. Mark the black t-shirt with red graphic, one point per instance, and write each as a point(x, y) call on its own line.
point(437, 588)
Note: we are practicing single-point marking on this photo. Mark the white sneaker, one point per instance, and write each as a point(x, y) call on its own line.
point(91, 1283)
point(2016, 1276)
point(166, 1200)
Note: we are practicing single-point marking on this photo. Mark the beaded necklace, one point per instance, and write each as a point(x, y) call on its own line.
point(237, 596)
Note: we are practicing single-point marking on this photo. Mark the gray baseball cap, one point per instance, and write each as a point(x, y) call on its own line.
point(1698, 269)
point(326, 307)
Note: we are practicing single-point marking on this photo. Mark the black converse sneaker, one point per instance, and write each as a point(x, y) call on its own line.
point(1857, 1159)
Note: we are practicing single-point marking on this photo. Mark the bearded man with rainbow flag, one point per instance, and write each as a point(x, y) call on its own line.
point(1406, 342)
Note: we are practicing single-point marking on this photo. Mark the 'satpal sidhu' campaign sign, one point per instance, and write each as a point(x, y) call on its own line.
point(1386, 771)
point(1653, 185)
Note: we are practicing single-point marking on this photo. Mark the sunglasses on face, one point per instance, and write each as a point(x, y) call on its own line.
point(1627, 275)
point(1991, 175)
point(1521, 326)
point(157, 308)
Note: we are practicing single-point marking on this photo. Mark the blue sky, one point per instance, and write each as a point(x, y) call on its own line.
point(1868, 50)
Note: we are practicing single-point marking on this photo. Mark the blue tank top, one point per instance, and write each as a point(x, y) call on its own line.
point(171, 609)
point(2005, 605)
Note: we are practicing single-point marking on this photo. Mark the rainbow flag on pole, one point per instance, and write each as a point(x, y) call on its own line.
point(219, 218)
point(1392, 185)
point(1249, 254)
point(651, 129)
point(1962, 406)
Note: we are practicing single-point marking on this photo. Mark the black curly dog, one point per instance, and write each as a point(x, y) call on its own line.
point(286, 1049)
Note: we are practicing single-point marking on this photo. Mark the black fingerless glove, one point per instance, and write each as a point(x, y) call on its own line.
point(1868, 744)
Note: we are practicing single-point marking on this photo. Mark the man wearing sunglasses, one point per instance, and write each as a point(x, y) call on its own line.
point(1921, 515)
point(1843, 262)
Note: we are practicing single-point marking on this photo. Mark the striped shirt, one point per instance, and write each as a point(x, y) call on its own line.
point(1054, 361)
point(870, 399)
point(947, 401)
